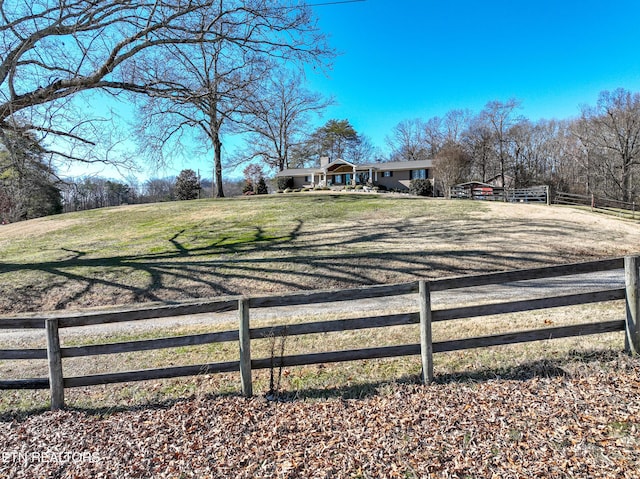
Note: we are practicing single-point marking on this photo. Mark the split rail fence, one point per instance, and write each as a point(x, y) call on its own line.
point(604, 205)
point(533, 194)
point(424, 315)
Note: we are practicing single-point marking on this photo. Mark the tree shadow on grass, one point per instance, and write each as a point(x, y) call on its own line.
point(293, 258)
point(542, 368)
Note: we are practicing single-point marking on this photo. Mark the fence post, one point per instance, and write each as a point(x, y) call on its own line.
point(245, 347)
point(56, 380)
point(632, 281)
point(548, 193)
point(426, 340)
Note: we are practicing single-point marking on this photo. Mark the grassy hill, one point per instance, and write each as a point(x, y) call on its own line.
point(203, 248)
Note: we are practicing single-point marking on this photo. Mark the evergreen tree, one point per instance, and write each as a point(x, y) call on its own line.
point(262, 189)
point(28, 185)
point(187, 185)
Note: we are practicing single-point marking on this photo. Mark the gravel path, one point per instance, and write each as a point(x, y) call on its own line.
point(582, 283)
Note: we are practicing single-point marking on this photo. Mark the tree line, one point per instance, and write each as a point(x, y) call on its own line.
point(85, 193)
point(596, 153)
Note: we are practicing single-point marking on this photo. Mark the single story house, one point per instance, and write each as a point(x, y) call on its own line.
point(394, 175)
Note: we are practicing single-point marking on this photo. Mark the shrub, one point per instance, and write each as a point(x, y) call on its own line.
point(285, 182)
point(358, 187)
point(247, 188)
point(421, 187)
point(261, 188)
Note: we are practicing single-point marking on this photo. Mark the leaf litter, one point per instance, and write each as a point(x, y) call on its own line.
point(583, 425)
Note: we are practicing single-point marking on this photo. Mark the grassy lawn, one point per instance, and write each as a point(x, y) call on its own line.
point(260, 245)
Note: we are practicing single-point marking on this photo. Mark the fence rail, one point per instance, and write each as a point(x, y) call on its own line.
point(533, 194)
point(605, 205)
point(424, 315)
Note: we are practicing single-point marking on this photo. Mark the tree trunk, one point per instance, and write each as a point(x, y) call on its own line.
point(626, 181)
point(217, 166)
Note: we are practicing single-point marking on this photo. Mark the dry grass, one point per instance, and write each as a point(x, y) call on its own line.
point(205, 248)
point(266, 245)
point(356, 377)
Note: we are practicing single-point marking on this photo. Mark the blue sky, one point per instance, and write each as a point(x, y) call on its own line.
point(405, 59)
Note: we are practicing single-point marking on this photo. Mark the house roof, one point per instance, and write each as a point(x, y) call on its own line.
point(399, 165)
point(340, 161)
point(298, 171)
point(473, 183)
point(389, 166)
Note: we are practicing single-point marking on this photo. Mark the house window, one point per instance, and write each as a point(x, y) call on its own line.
point(307, 179)
point(419, 174)
point(347, 178)
point(387, 174)
point(337, 178)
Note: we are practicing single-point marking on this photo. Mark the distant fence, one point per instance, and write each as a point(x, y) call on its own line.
point(605, 205)
point(424, 315)
point(534, 194)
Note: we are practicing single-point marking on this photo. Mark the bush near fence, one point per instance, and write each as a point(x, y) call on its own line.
point(424, 315)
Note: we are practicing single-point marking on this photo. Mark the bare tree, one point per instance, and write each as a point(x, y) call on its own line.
point(454, 123)
point(434, 136)
point(612, 128)
point(54, 51)
point(210, 86)
point(500, 117)
point(202, 93)
point(159, 189)
point(408, 141)
point(277, 119)
point(478, 140)
point(451, 165)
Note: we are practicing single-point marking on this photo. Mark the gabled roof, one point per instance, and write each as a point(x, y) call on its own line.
point(339, 161)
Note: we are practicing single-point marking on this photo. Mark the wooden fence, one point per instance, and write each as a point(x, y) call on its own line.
point(534, 194)
point(244, 333)
point(605, 205)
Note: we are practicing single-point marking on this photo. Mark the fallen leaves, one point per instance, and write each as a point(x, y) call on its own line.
point(583, 426)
